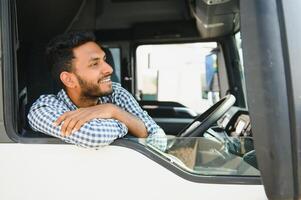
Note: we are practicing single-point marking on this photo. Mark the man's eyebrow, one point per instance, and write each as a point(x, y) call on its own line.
point(97, 58)
point(94, 59)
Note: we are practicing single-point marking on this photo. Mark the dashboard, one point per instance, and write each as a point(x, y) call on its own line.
point(236, 122)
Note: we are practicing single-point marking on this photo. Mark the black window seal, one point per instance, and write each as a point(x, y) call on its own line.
point(219, 179)
point(9, 83)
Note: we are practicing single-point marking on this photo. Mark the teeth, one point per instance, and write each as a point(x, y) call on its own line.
point(106, 80)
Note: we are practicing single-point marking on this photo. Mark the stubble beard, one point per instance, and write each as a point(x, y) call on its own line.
point(90, 90)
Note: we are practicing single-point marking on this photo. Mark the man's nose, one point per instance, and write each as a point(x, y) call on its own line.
point(107, 69)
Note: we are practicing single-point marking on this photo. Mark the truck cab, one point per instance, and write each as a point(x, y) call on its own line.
point(220, 77)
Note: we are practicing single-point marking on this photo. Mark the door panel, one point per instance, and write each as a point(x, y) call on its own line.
point(34, 172)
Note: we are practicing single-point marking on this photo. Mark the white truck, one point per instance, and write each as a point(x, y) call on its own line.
point(246, 146)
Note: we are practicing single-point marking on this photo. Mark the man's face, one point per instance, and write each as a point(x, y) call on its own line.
point(92, 71)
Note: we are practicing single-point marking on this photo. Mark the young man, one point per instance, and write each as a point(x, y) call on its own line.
point(90, 110)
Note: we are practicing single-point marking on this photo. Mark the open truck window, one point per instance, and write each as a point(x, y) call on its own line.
point(178, 84)
point(219, 77)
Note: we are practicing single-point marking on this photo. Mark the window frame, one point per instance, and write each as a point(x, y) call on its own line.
point(218, 179)
point(8, 34)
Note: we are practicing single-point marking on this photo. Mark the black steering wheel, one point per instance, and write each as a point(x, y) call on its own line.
point(208, 118)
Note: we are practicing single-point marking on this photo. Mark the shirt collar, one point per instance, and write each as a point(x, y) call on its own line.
point(62, 95)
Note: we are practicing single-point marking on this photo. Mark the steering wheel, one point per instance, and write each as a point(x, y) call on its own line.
point(205, 120)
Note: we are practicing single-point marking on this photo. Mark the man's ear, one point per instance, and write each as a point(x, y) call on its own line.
point(68, 79)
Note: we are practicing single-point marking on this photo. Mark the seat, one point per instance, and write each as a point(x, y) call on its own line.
point(110, 61)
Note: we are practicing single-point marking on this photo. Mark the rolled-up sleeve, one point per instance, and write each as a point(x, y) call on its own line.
point(126, 101)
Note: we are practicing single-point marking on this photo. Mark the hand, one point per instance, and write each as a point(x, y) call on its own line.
point(74, 120)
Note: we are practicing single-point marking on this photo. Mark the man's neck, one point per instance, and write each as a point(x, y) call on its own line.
point(81, 102)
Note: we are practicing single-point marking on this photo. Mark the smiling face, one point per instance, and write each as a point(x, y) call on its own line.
point(92, 71)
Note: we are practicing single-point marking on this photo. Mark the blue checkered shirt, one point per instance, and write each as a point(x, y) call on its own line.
point(97, 132)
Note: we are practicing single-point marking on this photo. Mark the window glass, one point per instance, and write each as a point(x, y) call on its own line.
point(183, 73)
point(206, 155)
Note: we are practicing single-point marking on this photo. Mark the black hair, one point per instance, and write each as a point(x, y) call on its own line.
point(59, 52)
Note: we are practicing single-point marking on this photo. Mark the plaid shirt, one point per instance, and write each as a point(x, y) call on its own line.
point(96, 132)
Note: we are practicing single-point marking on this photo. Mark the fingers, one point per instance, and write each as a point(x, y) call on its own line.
point(78, 125)
point(73, 125)
point(80, 121)
point(65, 126)
point(72, 121)
point(68, 125)
point(60, 119)
point(66, 120)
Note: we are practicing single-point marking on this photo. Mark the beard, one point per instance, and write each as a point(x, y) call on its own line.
point(91, 90)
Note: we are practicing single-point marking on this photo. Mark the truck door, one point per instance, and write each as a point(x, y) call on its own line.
point(272, 46)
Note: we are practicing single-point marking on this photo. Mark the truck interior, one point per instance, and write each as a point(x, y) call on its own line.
point(124, 25)
point(123, 28)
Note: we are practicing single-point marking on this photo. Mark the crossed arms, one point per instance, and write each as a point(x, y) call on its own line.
point(93, 126)
point(72, 121)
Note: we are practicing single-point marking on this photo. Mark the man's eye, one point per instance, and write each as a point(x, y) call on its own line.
point(95, 64)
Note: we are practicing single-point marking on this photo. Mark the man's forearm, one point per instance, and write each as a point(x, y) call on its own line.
point(135, 126)
point(92, 134)
point(73, 120)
